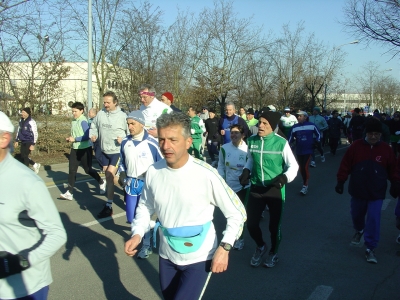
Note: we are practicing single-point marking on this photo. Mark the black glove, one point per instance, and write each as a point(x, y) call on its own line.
point(122, 177)
point(339, 187)
point(279, 181)
point(394, 189)
point(204, 133)
point(245, 177)
point(11, 264)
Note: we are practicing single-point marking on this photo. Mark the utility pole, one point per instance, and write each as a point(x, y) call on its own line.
point(89, 83)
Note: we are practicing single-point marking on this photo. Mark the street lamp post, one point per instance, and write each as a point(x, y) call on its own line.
point(89, 83)
point(336, 48)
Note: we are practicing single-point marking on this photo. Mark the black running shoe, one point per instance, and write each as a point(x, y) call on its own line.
point(106, 212)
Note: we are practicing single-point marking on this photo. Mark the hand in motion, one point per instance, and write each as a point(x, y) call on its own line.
point(339, 187)
point(131, 245)
point(11, 264)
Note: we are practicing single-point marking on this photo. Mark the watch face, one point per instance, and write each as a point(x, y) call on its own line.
point(227, 247)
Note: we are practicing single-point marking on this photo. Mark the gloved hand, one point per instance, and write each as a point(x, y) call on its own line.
point(339, 187)
point(394, 189)
point(121, 179)
point(11, 264)
point(279, 181)
point(245, 177)
point(397, 132)
point(205, 133)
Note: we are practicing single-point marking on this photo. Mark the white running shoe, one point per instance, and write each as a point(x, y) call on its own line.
point(66, 196)
point(37, 168)
point(312, 164)
point(145, 252)
point(103, 187)
point(322, 158)
point(304, 189)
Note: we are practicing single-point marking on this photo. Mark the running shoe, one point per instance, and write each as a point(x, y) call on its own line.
point(357, 237)
point(145, 252)
point(239, 244)
point(66, 196)
point(398, 239)
point(102, 187)
point(37, 168)
point(304, 190)
point(312, 164)
point(107, 211)
point(370, 256)
point(258, 254)
point(322, 158)
point(271, 260)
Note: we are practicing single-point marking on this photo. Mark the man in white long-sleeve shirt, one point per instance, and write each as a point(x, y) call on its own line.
point(30, 226)
point(188, 243)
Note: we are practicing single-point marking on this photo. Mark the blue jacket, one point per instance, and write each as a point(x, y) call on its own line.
point(303, 134)
point(27, 130)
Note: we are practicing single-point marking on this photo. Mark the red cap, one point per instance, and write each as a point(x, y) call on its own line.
point(169, 96)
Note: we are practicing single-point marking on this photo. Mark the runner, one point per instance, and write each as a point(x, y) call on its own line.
point(188, 243)
point(81, 151)
point(27, 134)
point(232, 158)
point(303, 135)
point(370, 163)
point(139, 151)
point(109, 126)
point(270, 165)
point(322, 126)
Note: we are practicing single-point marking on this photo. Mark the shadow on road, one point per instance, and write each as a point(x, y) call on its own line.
point(102, 258)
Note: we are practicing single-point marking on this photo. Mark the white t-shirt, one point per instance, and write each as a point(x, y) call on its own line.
point(152, 111)
point(187, 197)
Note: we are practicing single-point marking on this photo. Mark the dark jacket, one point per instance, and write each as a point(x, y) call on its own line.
point(369, 168)
point(174, 108)
point(25, 132)
point(335, 127)
point(212, 129)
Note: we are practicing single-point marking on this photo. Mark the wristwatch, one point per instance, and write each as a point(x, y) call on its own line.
point(23, 262)
point(226, 246)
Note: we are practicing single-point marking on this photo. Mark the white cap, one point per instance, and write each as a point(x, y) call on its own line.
point(271, 107)
point(5, 123)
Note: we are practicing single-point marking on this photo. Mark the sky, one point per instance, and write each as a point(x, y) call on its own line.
point(320, 17)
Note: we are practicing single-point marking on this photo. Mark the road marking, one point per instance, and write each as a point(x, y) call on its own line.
point(52, 184)
point(385, 203)
point(321, 292)
point(95, 222)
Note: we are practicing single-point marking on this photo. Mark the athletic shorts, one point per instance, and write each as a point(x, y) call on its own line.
point(110, 159)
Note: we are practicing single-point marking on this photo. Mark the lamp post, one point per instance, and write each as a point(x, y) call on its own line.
point(372, 89)
point(89, 83)
point(336, 48)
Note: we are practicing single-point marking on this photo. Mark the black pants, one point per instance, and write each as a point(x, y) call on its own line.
point(84, 157)
point(304, 162)
point(258, 198)
point(25, 152)
point(212, 150)
point(333, 144)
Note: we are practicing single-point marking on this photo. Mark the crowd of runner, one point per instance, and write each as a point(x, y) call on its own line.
point(254, 154)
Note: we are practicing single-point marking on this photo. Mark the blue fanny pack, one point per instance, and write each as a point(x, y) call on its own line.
point(184, 239)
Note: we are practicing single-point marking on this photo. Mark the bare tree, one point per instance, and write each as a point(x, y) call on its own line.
point(32, 62)
point(288, 54)
point(107, 18)
point(231, 40)
point(374, 21)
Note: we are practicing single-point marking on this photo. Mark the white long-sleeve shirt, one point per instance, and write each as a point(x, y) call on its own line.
point(231, 162)
point(187, 197)
point(29, 225)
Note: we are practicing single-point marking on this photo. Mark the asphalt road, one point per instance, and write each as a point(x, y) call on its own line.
point(316, 262)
